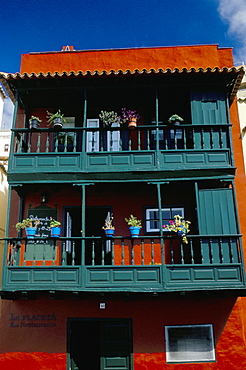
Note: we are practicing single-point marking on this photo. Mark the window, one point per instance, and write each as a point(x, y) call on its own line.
point(152, 217)
point(6, 147)
point(190, 343)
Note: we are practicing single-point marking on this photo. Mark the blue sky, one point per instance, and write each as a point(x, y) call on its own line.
point(47, 25)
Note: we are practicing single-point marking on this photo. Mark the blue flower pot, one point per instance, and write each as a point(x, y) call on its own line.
point(31, 232)
point(182, 232)
point(55, 232)
point(109, 233)
point(134, 231)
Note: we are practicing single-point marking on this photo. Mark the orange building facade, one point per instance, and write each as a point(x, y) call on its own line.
point(157, 301)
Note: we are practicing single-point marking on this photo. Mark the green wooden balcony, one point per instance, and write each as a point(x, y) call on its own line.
point(93, 150)
point(144, 264)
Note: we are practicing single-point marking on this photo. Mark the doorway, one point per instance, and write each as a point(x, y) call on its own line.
point(94, 220)
point(99, 344)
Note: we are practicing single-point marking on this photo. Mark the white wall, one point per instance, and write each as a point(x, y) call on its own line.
point(2, 97)
point(241, 100)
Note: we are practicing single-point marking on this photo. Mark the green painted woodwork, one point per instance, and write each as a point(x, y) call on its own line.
point(218, 214)
point(159, 278)
point(100, 344)
point(203, 277)
point(208, 107)
point(97, 162)
point(192, 147)
point(115, 345)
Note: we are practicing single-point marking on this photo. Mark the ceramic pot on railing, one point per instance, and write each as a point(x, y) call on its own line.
point(55, 232)
point(134, 231)
point(109, 233)
point(58, 123)
point(34, 124)
point(132, 123)
point(31, 232)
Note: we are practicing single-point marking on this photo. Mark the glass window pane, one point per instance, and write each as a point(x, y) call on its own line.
point(190, 343)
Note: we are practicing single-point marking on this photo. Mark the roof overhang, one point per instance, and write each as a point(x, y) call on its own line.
point(15, 81)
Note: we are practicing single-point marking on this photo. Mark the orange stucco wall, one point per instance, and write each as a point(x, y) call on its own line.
point(200, 56)
point(240, 179)
point(24, 345)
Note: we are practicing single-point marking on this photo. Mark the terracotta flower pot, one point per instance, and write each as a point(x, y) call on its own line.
point(132, 123)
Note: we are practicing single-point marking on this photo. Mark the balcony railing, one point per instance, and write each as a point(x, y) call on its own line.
point(123, 263)
point(117, 150)
point(143, 138)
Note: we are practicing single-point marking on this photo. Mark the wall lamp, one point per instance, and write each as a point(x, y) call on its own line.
point(44, 198)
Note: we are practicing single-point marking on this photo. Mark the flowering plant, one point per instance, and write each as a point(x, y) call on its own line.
point(179, 226)
point(108, 223)
point(126, 115)
point(109, 117)
point(54, 223)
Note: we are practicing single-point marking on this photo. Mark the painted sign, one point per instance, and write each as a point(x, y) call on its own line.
point(32, 321)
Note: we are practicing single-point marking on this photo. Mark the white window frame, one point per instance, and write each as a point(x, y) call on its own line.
point(173, 210)
point(92, 138)
point(190, 348)
point(115, 137)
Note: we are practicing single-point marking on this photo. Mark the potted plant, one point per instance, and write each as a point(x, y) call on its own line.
point(108, 118)
point(178, 226)
point(175, 120)
point(130, 117)
point(34, 122)
point(30, 225)
point(108, 226)
point(56, 119)
point(134, 226)
point(65, 138)
point(55, 228)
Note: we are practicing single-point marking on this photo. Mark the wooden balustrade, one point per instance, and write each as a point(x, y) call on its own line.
point(124, 251)
point(185, 137)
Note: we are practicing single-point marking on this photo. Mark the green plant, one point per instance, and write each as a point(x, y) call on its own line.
point(133, 221)
point(174, 118)
point(54, 223)
point(36, 118)
point(28, 222)
point(62, 138)
point(109, 117)
point(108, 223)
point(52, 116)
point(179, 226)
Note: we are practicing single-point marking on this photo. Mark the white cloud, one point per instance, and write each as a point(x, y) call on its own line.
point(234, 13)
point(8, 110)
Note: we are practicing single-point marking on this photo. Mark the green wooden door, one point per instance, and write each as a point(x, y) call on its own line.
point(115, 350)
point(100, 344)
point(217, 211)
point(208, 107)
point(217, 216)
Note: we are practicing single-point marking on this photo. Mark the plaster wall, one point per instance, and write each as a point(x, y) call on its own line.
point(5, 136)
point(2, 97)
point(200, 56)
point(241, 99)
point(3, 211)
point(35, 332)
